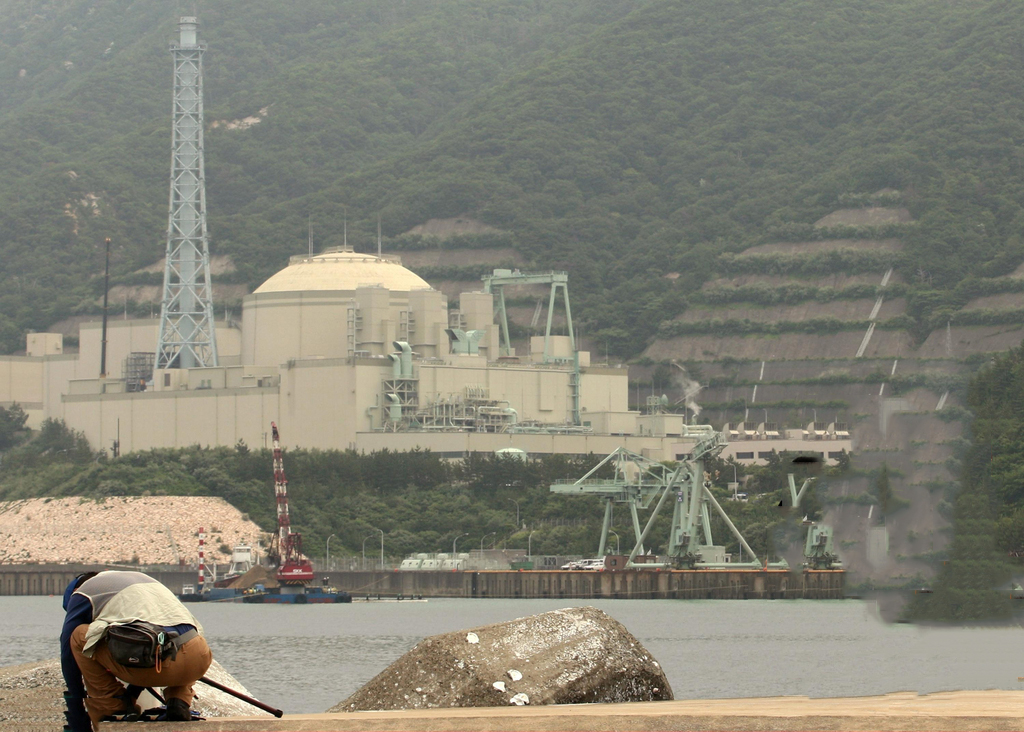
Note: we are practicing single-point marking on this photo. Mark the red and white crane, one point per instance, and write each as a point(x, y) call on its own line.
point(295, 568)
point(202, 560)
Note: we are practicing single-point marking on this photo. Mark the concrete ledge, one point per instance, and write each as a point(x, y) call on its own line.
point(957, 710)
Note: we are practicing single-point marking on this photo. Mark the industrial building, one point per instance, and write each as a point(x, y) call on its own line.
point(343, 350)
point(350, 350)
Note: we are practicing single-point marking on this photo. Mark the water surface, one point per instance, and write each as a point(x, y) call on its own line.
point(708, 648)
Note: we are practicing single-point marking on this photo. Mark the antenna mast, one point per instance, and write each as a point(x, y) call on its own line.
point(187, 336)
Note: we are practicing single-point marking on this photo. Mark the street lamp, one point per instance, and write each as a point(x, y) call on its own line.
point(381, 549)
point(482, 541)
point(329, 551)
point(529, 543)
point(613, 531)
point(513, 500)
point(454, 542)
point(364, 548)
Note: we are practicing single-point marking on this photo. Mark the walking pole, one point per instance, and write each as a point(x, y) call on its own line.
point(239, 695)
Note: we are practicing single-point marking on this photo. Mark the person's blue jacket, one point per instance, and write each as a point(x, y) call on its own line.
point(79, 611)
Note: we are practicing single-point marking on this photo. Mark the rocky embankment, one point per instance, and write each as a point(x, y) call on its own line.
point(32, 697)
point(571, 656)
point(143, 530)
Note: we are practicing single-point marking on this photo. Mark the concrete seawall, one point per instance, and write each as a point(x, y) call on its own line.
point(51, 579)
point(957, 710)
point(627, 584)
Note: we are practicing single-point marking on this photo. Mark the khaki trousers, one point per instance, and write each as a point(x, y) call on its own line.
point(101, 674)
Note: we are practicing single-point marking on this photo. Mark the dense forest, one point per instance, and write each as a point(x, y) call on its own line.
point(621, 140)
point(421, 502)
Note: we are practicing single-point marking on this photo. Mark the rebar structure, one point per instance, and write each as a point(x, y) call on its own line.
point(138, 370)
point(187, 336)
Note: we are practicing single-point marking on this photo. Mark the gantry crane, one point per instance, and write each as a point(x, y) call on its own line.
point(294, 569)
point(819, 550)
point(639, 481)
point(495, 283)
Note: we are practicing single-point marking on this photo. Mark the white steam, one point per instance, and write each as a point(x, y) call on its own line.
point(690, 389)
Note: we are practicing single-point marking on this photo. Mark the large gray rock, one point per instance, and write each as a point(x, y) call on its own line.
point(571, 656)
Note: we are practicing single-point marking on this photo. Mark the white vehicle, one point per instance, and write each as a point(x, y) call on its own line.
point(591, 565)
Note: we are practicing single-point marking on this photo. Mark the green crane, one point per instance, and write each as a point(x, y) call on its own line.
point(495, 284)
point(641, 483)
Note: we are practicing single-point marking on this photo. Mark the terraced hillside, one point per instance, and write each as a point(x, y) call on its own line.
point(824, 330)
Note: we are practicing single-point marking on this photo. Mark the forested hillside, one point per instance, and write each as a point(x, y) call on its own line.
point(421, 502)
point(623, 141)
point(974, 584)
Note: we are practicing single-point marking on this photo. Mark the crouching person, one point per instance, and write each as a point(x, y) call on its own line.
point(127, 627)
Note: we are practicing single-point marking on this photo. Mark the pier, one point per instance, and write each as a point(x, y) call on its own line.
point(626, 584)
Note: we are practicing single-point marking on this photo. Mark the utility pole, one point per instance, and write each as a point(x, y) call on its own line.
point(329, 551)
point(370, 536)
point(106, 292)
point(513, 500)
point(482, 541)
point(455, 541)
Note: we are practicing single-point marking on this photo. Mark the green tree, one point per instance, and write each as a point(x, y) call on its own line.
point(883, 489)
point(12, 426)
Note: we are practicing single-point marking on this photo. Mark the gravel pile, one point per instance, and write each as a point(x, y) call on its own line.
point(571, 656)
point(31, 697)
point(143, 529)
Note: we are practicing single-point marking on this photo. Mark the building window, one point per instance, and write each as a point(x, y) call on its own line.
point(764, 455)
point(744, 456)
point(167, 379)
point(835, 455)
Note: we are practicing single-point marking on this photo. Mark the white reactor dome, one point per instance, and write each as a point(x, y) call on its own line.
point(341, 270)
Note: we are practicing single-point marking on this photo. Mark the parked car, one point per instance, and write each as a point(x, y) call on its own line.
point(593, 565)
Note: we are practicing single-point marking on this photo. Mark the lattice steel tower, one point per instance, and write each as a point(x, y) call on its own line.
point(187, 337)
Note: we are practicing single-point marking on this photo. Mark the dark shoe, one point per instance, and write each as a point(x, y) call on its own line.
point(178, 711)
point(131, 710)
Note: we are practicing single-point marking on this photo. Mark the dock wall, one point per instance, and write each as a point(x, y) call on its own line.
point(625, 584)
